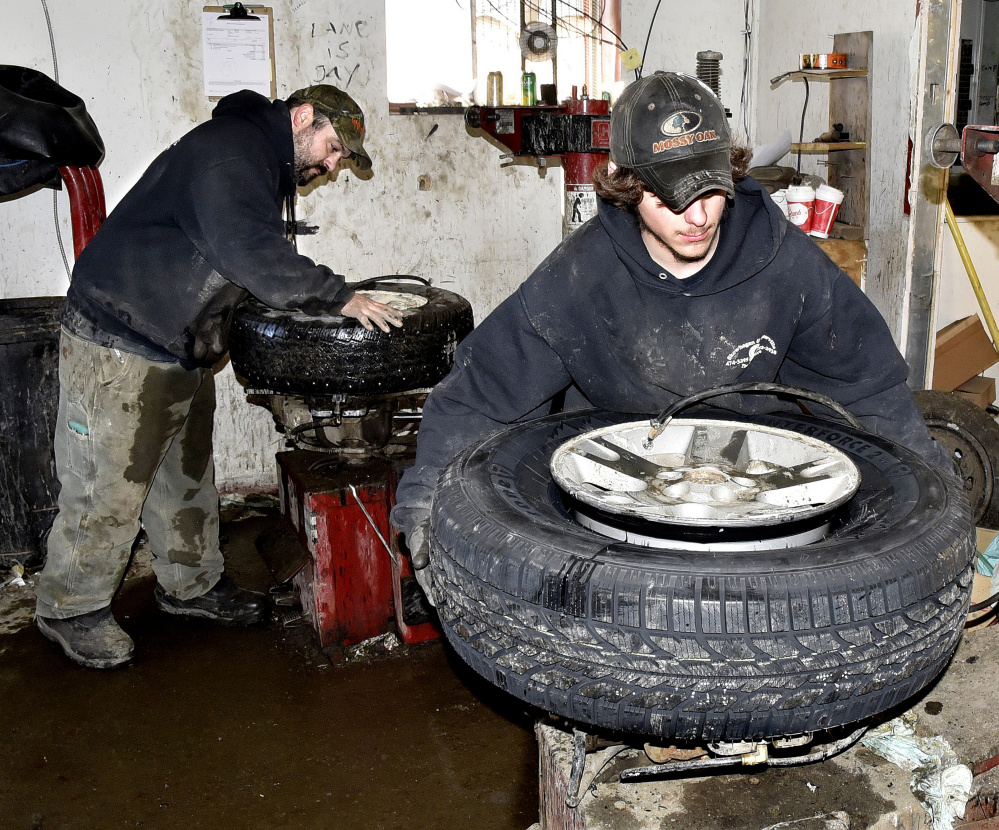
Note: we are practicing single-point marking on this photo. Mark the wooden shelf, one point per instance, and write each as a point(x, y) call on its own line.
point(827, 74)
point(827, 147)
point(849, 106)
point(413, 109)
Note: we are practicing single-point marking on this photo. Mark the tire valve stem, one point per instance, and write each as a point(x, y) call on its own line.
point(657, 430)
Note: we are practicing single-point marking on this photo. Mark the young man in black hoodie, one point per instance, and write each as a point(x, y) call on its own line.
point(689, 278)
point(147, 316)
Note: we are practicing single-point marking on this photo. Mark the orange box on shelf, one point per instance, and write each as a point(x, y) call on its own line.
point(963, 350)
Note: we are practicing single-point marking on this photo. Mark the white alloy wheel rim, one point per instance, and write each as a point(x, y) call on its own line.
point(701, 474)
point(399, 300)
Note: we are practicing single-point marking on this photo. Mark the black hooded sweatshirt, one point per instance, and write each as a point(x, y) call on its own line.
point(199, 231)
point(601, 317)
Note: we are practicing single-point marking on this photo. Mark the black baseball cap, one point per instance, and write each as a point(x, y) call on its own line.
point(344, 114)
point(672, 131)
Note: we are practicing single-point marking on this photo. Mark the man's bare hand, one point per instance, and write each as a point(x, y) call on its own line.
point(366, 311)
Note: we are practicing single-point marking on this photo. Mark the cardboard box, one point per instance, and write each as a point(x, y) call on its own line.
point(979, 390)
point(981, 587)
point(963, 350)
point(983, 538)
point(849, 254)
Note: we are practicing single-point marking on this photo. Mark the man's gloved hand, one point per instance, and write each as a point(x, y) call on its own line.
point(418, 542)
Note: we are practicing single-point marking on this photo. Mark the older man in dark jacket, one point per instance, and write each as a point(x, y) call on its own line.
point(147, 316)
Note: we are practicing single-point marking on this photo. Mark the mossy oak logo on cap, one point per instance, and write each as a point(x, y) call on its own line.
point(682, 131)
point(680, 123)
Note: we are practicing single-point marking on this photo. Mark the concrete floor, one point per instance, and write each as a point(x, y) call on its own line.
point(251, 728)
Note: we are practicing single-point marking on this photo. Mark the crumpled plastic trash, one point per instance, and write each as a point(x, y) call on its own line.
point(373, 647)
point(939, 780)
point(985, 563)
point(17, 574)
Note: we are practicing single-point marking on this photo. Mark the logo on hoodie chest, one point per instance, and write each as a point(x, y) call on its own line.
point(742, 356)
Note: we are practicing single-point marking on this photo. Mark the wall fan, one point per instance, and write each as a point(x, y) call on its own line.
point(538, 42)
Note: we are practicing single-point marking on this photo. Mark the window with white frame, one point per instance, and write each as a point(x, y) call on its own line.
point(440, 52)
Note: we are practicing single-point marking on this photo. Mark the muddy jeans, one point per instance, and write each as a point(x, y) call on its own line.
point(133, 447)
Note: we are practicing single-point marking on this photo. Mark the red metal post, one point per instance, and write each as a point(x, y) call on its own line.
point(578, 168)
point(86, 203)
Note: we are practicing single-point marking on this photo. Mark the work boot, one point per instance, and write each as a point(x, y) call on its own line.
point(94, 640)
point(224, 602)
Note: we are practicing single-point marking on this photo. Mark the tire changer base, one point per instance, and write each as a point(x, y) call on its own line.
point(336, 488)
point(357, 583)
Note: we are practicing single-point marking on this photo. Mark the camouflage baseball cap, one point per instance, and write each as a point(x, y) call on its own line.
point(673, 132)
point(343, 113)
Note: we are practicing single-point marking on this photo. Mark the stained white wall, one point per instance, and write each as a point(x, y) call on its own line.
point(678, 31)
point(479, 230)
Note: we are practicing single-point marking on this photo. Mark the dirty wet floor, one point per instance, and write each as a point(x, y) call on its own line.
point(253, 728)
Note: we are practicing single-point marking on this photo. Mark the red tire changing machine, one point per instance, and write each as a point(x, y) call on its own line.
point(354, 586)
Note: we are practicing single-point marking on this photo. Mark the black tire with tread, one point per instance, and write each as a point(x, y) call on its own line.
point(689, 646)
point(972, 437)
point(289, 352)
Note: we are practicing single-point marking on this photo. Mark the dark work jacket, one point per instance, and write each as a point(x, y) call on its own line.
point(202, 228)
point(601, 317)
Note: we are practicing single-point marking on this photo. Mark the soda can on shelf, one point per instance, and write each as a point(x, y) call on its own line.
point(529, 85)
point(494, 89)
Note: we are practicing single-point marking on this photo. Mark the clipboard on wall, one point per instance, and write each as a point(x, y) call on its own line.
point(238, 50)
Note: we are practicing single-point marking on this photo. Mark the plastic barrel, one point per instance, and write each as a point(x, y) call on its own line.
point(29, 402)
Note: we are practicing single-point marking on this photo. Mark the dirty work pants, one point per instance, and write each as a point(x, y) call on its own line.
point(133, 448)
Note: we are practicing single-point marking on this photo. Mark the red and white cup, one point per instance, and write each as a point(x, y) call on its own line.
point(801, 206)
point(780, 199)
point(827, 202)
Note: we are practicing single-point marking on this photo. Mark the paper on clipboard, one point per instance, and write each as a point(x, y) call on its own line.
point(237, 53)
